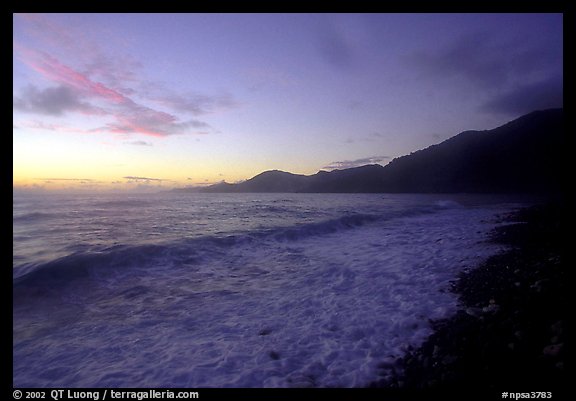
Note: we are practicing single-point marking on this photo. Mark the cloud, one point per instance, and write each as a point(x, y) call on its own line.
point(152, 125)
point(132, 178)
point(486, 61)
point(139, 143)
point(338, 41)
point(53, 35)
point(36, 124)
point(66, 179)
point(102, 85)
point(51, 68)
point(198, 104)
point(515, 76)
point(130, 117)
point(472, 57)
point(115, 71)
point(335, 51)
point(42, 125)
point(522, 99)
point(371, 137)
point(355, 163)
point(85, 182)
point(54, 101)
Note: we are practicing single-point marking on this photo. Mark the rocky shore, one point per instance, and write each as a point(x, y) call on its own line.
point(510, 334)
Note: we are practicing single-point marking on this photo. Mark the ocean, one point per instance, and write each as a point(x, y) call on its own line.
point(235, 290)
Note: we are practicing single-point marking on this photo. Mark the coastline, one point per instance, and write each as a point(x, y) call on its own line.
point(509, 334)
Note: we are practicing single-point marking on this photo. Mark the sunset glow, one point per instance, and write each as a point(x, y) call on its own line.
point(194, 99)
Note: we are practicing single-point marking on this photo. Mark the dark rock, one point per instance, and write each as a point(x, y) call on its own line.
point(274, 355)
point(556, 328)
point(506, 335)
point(475, 312)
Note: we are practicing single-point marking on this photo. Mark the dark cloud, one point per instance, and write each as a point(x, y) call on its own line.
point(198, 104)
point(522, 99)
point(132, 178)
point(85, 182)
point(487, 61)
point(471, 57)
point(54, 101)
point(334, 47)
point(335, 51)
point(373, 136)
point(138, 118)
point(152, 123)
point(355, 163)
point(194, 124)
point(516, 76)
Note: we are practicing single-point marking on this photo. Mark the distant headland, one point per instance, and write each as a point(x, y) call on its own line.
point(522, 156)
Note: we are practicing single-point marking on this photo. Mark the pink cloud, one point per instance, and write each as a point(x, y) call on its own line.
point(131, 117)
point(54, 70)
point(56, 39)
point(97, 87)
point(53, 35)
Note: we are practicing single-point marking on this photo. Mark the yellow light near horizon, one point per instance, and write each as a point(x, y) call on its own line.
point(39, 157)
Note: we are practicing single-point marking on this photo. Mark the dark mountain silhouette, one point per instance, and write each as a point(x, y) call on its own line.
point(524, 155)
point(359, 179)
point(274, 181)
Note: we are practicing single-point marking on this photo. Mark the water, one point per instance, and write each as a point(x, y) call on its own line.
point(234, 290)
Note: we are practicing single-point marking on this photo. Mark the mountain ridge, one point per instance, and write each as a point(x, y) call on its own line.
point(523, 155)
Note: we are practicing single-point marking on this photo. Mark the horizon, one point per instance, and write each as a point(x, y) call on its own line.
point(140, 103)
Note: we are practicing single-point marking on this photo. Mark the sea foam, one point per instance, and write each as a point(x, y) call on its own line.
point(320, 304)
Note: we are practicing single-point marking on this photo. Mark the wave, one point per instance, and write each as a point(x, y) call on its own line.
point(90, 263)
point(82, 265)
point(34, 216)
point(266, 208)
point(323, 228)
point(130, 203)
point(447, 204)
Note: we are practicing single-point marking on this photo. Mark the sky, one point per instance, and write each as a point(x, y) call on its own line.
point(132, 102)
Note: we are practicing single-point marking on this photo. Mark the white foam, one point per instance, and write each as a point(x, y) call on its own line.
point(323, 311)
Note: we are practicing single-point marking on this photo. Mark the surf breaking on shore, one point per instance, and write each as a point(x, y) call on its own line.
point(510, 332)
point(325, 309)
